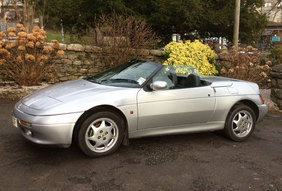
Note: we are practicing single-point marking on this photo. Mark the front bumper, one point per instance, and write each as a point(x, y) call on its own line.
point(262, 112)
point(47, 130)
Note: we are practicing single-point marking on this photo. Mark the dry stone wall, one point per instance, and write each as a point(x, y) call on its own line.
point(80, 60)
point(276, 83)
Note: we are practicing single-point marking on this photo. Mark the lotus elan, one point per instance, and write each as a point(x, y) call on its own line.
point(137, 99)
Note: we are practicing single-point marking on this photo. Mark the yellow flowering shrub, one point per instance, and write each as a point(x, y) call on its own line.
point(25, 57)
point(193, 54)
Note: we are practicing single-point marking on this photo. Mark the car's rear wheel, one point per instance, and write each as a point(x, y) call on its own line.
point(100, 134)
point(240, 123)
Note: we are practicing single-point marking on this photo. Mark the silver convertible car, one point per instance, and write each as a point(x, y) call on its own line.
point(137, 99)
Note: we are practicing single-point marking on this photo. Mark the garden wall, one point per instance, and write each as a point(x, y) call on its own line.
point(80, 61)
point(276, 90)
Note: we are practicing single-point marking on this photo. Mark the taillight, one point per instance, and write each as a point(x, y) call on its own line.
point(262, 102)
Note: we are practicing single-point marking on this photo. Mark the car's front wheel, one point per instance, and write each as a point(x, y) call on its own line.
point(100, 134)
point(240, 123)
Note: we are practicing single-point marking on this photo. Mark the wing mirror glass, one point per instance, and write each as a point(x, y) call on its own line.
point(158, 85)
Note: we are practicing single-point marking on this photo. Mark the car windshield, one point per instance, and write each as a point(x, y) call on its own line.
point(184, 71)
point(131, 74)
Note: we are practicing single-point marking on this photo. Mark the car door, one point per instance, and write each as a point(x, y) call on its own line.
point(174, 107)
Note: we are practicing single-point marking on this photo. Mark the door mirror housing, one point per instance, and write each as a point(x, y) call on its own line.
point(158, 85)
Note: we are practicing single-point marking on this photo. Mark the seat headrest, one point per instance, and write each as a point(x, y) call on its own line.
point(192, 80)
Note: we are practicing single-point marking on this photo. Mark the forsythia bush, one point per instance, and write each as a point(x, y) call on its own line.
point(25, 57)
point(245, 64)
point(194, 54)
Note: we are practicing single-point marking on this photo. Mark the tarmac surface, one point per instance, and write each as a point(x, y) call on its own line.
point(203, 161)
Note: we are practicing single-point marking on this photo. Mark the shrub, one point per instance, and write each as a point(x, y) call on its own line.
point(194, 54)
point(123, 38)
point(276, 55)
point(25, 57)
point(245, 64)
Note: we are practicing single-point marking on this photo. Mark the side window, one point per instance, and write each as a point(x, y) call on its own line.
point(167, 75)
point(178, 77)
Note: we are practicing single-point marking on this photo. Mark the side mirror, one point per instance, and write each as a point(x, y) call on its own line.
point(158, 85)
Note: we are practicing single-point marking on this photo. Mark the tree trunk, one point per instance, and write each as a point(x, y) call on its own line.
point(31, 17)
point(2, 8)
point(25, 13)
point(28, 15)
point(17, 12)
point(41, 21)
point(236, 23)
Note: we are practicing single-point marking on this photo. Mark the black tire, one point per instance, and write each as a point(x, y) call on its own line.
point(240, 123)
point(100, 133)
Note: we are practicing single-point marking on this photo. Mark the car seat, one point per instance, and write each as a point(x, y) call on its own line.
point(172, 76)
point(192, 80)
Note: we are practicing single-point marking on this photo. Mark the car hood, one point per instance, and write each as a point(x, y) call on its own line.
point(76, 96)
point(58, 93)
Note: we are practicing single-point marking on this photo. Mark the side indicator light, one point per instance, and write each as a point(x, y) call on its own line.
point(131, 112)
point(25, 123)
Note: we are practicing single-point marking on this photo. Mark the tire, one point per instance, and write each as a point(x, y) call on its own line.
point(100, 134)
point(240, 123)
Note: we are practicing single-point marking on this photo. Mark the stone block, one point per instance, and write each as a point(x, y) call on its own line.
point(87, 62)
point(75, 47)
point(277, 68)
point(77, 63)
point(132, 51)
point(64, 78)
point(58, 74)
point(70, 70)
point(274, 82)
point(93, 56)
point(156, 53)
point(83, 71)
point(274, 74)
point(143, 52)
point(277, 101)
point(149, 58)
point(63, 46)
point(72, 56)
point(57, 61)
point(93, 49)
point(107, 50)
point(273, 98)
point(279, 83)
point(48, 43)
point(223, 57)
point(277, 93)
point(72, 77)
point(67, 62)
point(93, 70)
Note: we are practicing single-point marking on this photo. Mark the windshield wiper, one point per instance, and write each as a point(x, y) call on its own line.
point(121, 80)
point(92, 80)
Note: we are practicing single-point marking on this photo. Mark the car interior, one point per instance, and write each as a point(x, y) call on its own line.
point(191, 81)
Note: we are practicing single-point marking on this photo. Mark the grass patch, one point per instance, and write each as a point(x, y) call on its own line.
point(57, 35)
